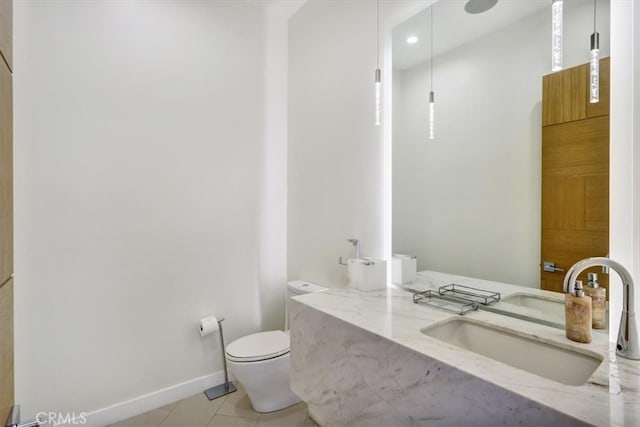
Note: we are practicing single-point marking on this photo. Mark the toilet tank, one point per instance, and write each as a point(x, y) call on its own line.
point(299, 287)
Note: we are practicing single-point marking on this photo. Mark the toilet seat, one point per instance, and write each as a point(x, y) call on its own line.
point(259, 346)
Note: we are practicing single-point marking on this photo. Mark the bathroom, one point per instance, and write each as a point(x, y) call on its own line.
point(176, 159)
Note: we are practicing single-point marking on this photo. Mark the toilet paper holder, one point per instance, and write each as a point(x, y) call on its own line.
point(227, 387)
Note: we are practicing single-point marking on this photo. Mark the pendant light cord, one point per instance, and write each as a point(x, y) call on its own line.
point(594, 16)
point(378, 33)
point(431, 48)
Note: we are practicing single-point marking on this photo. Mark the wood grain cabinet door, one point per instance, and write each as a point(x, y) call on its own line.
point(565, 95)
point(575, 176)
point(6, 32)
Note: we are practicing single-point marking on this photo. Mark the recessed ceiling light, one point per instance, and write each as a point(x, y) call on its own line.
point(412, 39)
point(479, 6)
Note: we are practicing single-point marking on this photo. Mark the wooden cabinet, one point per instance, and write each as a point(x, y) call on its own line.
point(575, 173)
point(6, 31)
point(6, 175)
point(564, 96)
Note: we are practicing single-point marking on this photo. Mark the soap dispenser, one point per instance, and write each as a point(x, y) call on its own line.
point(577, 309)
point(598, 301)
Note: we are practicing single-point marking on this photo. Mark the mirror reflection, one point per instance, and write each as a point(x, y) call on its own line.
point(469, 201)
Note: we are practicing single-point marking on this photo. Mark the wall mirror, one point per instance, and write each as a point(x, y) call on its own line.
point(469, 201)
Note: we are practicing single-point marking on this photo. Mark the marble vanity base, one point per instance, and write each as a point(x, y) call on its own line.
point(352, 377)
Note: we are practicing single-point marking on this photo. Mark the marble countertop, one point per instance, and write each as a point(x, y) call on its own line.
point(611, 396)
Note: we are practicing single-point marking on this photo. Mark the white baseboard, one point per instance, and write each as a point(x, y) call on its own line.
point(157, 399)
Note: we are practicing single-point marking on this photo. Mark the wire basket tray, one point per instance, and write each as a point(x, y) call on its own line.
point(444, 303)
point(469, 294)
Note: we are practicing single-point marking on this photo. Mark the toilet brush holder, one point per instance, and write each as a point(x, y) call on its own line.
point(227, 387)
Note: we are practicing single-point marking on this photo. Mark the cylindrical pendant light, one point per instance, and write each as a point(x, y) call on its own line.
point(594, 74)
point(432, 134)
point(378, 96)
point(556, 35)
point(431, 95)
point(378, 83)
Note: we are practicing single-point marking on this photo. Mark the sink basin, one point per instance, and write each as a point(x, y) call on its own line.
point(550, 307)
point(545, 359)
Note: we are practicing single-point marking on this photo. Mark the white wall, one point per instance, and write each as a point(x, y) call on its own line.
point(141, 187)
point(469, 202)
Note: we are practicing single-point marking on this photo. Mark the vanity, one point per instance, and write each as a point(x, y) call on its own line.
point(377, 359)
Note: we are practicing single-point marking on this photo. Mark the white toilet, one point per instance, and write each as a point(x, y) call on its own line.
point(260, 362)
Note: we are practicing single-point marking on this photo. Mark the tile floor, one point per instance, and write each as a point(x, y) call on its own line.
point(232, 410)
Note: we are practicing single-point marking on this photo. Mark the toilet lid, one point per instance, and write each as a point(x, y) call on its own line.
point(260, 346)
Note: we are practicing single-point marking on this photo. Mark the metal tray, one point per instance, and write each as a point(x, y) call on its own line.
point(469, 294)
point(444, 303)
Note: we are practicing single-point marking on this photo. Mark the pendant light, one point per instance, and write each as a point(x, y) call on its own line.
point(378, 73)
point(594, 75)
point(556, 35)
point(431, 95)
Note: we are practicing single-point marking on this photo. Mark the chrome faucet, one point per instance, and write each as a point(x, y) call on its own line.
point(356, 244)
point(627, 345)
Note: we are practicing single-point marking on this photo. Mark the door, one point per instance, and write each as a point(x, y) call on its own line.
point(575, 176)
point(6, 213)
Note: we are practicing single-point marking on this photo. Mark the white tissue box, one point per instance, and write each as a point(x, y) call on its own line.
point(403, 269)
point(367, 274)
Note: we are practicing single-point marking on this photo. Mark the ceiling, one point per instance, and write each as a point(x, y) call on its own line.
point(454, 27)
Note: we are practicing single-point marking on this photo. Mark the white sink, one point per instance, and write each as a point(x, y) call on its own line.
point(550, 307)
point(545, 359)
